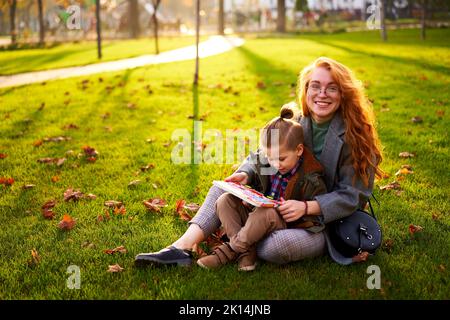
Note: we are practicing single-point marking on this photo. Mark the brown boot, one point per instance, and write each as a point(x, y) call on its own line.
point(247, 260)
point(221, 255)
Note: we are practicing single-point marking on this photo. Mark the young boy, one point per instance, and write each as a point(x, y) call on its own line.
point(298, 179)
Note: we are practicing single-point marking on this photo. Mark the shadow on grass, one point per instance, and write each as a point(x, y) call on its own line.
point(405, 61)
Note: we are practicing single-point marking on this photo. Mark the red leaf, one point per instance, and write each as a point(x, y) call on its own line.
point(180, 206)
point(48, 214)
point(3, 155)
point(89, 151)
point(72, 194)
point(6, 181)
point(414, 229)
point(49, 204)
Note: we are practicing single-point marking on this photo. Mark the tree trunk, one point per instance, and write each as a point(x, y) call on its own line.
point(382, 19)
point(98, 24)
point(423, 17)
point(197, 34)
point(155, 24)
point(12, 21)
point(133, 18)
point(221, 24)
point(41, 23)
point(281, 16)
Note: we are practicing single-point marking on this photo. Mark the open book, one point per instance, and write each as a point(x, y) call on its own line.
point(247, 194)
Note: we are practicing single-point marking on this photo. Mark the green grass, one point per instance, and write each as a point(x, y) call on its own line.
point(403, 75)
point(77, 54)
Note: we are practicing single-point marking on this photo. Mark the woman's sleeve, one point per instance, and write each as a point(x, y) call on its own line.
point(349, 194)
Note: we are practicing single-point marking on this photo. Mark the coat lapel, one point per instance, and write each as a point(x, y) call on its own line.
point(307, 131)
point(331, 150)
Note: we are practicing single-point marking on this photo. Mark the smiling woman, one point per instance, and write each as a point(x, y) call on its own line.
point(338, 125)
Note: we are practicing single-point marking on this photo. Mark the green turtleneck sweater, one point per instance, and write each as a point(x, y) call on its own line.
point(319, 131)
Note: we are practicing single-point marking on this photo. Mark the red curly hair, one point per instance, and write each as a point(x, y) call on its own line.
point(356, 111)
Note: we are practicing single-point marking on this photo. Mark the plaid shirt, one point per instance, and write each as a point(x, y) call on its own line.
point(280, 181)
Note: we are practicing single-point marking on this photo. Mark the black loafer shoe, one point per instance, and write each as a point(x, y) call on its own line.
point(169, 256)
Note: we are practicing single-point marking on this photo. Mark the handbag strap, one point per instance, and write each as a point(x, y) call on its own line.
point(371, 208)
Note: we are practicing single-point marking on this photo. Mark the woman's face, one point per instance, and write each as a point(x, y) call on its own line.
point(323, 95)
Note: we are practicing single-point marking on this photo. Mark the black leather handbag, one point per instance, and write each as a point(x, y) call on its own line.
point(356, 233)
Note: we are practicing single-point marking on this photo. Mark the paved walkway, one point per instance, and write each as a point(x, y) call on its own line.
point(214, 45)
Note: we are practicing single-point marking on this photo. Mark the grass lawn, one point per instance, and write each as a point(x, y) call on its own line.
point(115, 114)
point(77, 54)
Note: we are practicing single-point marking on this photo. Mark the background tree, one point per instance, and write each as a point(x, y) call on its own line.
point(133, 18)
point(281, 16)
point(98, 24)
point(302, 6)
point(155, 4)
point(221, 20)
point(382, 4)
point(41, 23)
point(12, 21)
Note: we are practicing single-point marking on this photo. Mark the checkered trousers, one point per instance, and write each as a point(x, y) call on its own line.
point(281, 246)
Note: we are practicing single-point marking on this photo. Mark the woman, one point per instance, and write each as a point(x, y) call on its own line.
point(338, 126)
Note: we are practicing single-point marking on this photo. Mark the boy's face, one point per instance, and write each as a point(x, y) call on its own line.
point(282, 159)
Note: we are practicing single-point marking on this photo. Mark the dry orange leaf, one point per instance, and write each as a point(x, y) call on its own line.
point(361, 257)
point(3, 155)
point(66, 223)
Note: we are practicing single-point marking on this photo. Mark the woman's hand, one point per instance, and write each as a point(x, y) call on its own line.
point(239, 177)
point(291, 210)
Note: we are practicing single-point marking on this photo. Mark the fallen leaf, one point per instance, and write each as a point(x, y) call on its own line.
point(414, 229)
point(440, 113)
point(6, 181)
point(155, 204)
point(361, 257)
point(35, 258)
point(120, 210)
point(179, 206)
point(89, 151)
point(441, 267)
point(147, 167)
point(260, 85)
point(49, 204)
point(3, 155)
point(55, 179)
point(115, 268)
point(193, 207)
point(28, 186)
point(406, 154)
point(57, 139)
point(185, 216)
point(388, 245)
point(391, 186)
point(48, 214)
point(71, 194)
point(67, 223)
point(58, 161)
point(120, 249)
point(134, 183)
point(91, 196)
point(38, 143)
point(113, 203)
point(404, 170)
point(417, 119)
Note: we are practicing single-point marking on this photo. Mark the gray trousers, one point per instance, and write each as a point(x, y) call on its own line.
point(280, 246)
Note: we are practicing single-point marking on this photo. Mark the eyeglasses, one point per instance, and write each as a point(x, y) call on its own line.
point(316, 88)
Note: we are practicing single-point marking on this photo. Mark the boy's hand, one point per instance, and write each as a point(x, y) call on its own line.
point(239, 177)
point(291, 210)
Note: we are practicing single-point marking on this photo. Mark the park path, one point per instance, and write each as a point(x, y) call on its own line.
point(213, 46)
